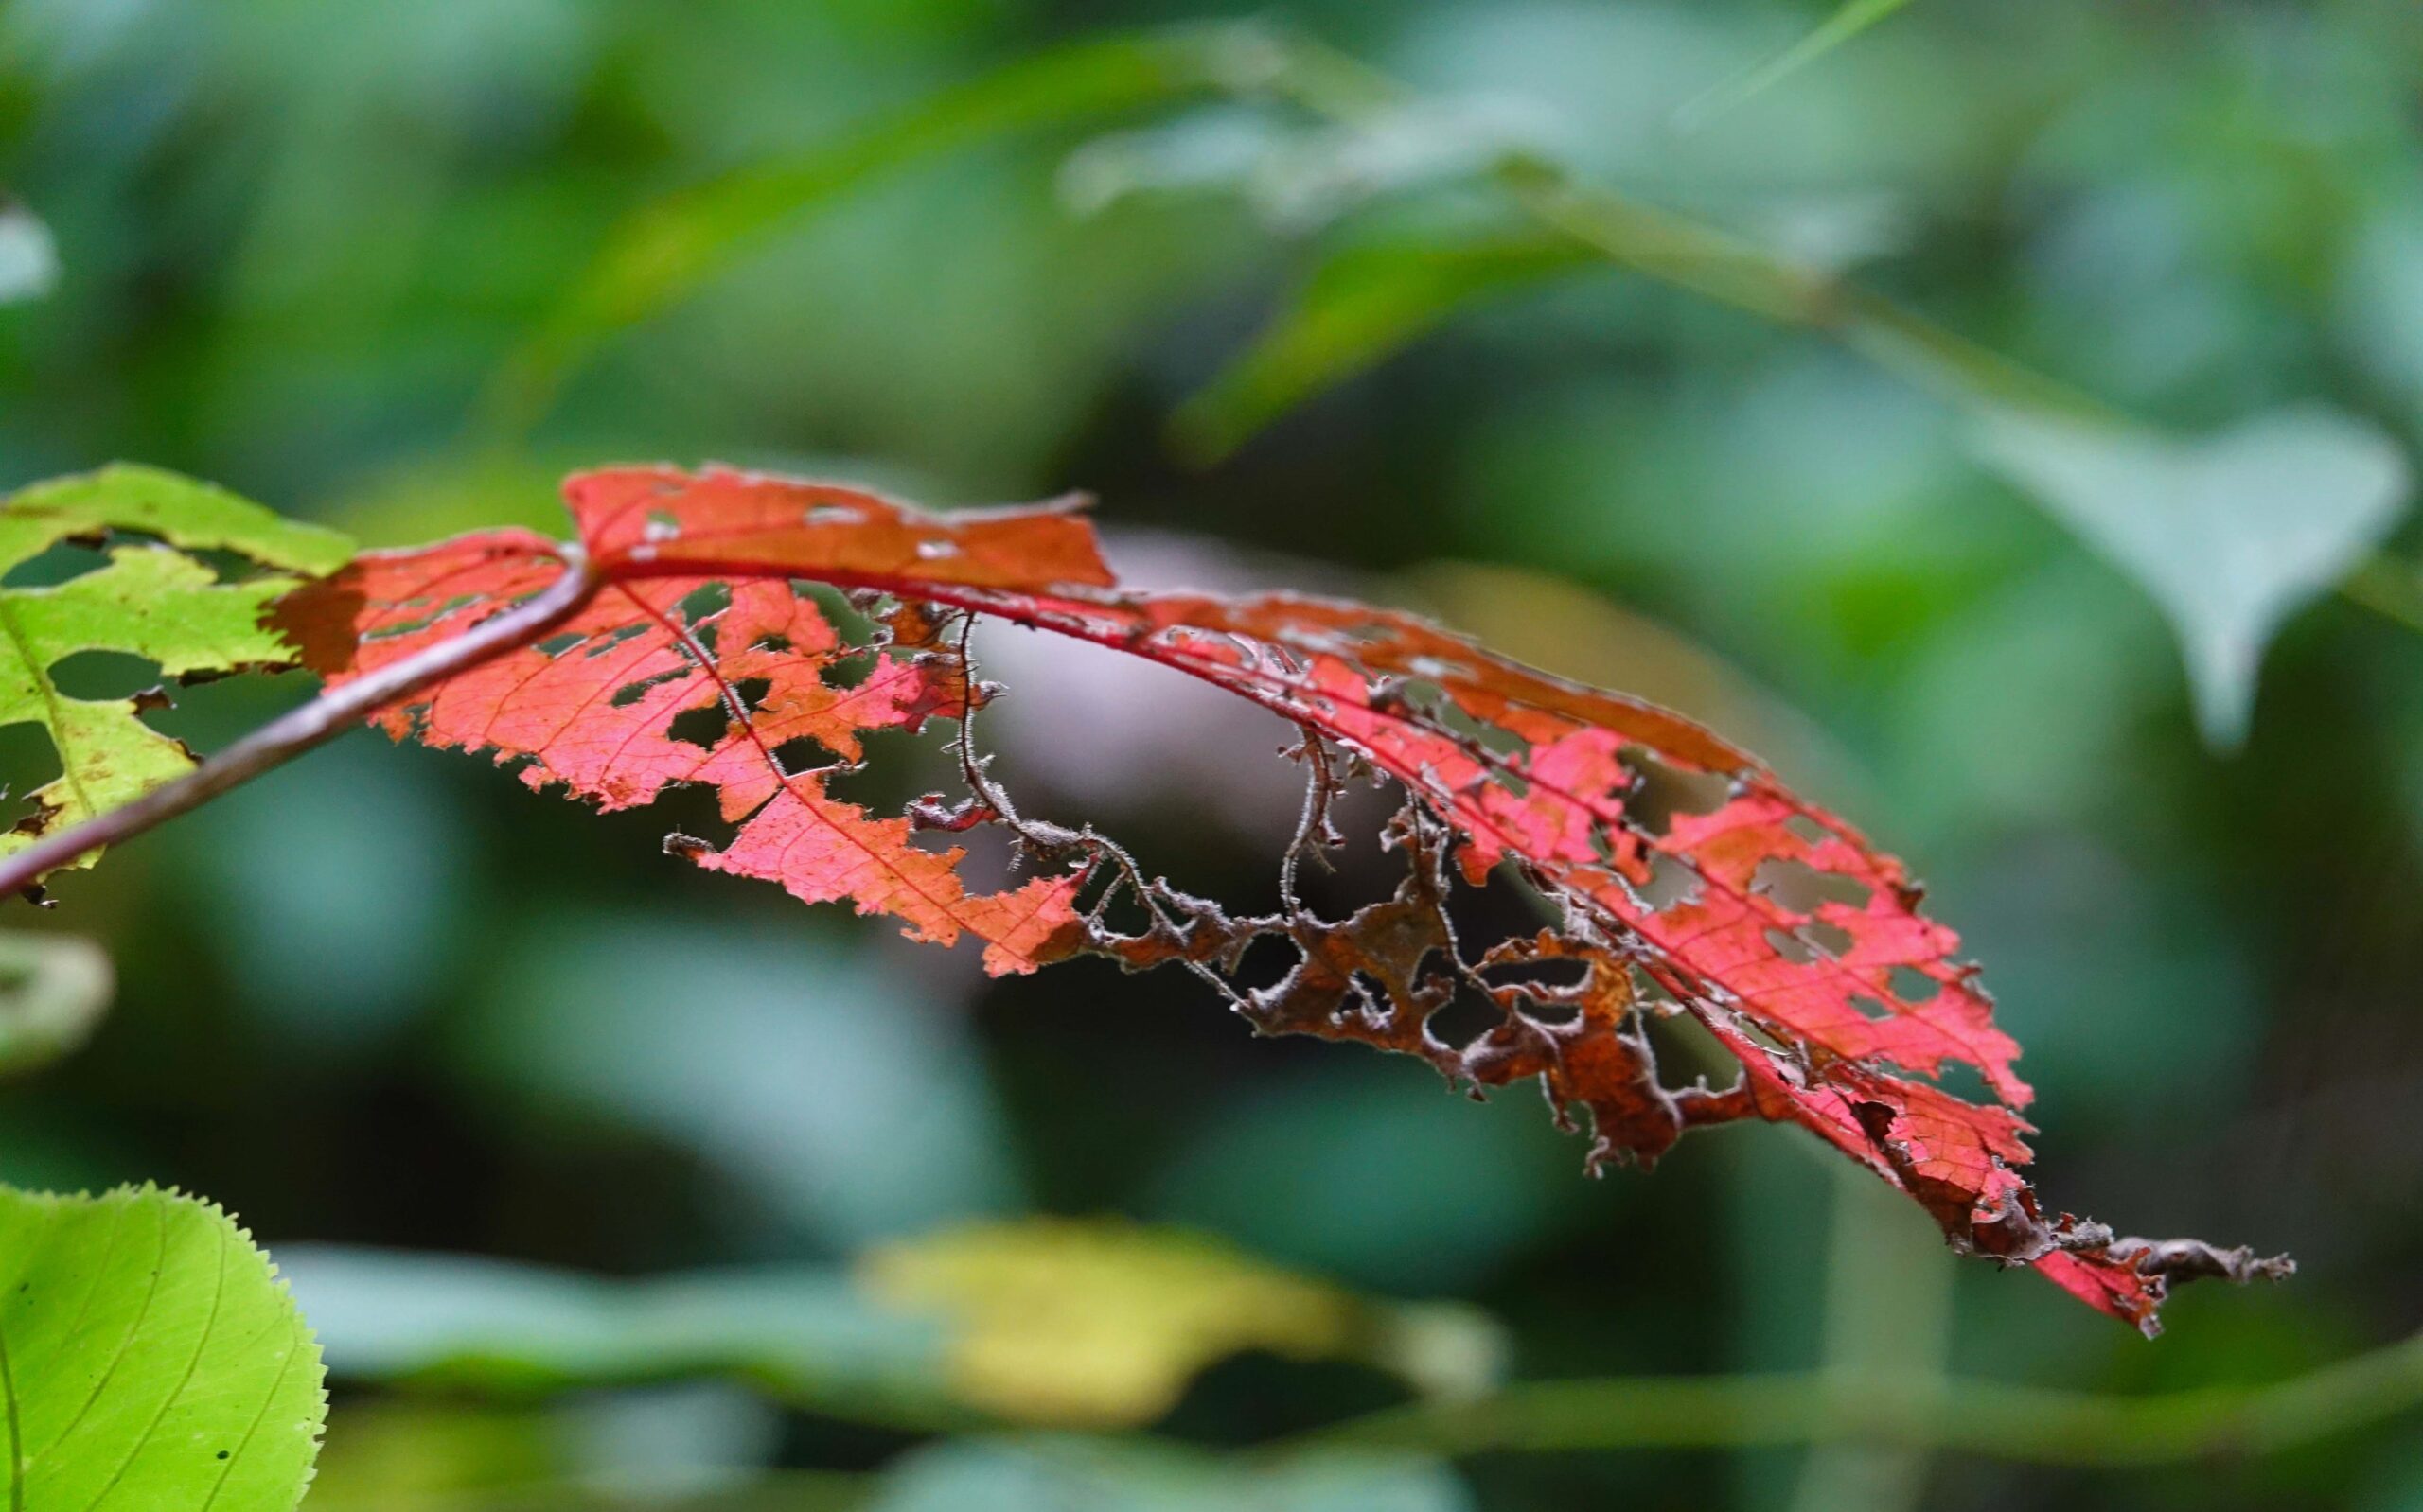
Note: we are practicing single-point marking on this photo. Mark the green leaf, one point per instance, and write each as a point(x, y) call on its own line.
point(1362, 305)
point(806, 1335)
point(151, 602)
point(1052, 1474)
point(150, 1359)
point(2230, 534)
point(1100, 1324)
point(1049, 1322)
point(665, 250)
point(53, 988)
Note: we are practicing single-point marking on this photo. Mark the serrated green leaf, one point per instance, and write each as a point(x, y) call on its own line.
point(150, 1359)
point(149, 601)
point(52, 991)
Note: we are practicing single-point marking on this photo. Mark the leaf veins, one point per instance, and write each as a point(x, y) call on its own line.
point(1683, 877)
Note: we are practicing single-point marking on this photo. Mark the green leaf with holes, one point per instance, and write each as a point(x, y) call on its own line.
point(149, 1359)
point(151, 599)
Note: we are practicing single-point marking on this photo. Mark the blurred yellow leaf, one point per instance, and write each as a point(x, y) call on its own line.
point(1102, 1322)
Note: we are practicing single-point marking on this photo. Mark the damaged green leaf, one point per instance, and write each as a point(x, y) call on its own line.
point(152, 601)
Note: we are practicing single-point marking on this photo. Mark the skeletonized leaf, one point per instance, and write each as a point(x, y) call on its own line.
point(154, 1359)
point(1680, 879)
point(149, 601)
point(2230, 534)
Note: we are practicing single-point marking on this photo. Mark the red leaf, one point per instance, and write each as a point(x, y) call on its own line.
point(1669, 857)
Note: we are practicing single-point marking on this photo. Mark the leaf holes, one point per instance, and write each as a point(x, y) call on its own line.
point(703, 726)
point(1463, 1018)
point(802, 754)
point(1659, 792)
point(1870, 1009)
point(1672, 880)
point(1374, 994)
point(1758, 1035)
point(1651, 993)
point(58, 564)
point(702, 603)
point(663, 525)
point(556, 646)
point(1562, 973)
point(632, 693)
point(615, 636)
point(1813, 942)
point(936, 550)
point(1802, 888)
point(1911, 985)
point(1808, 831)
point(1263, 964)
point(1791, 947)
point(104, 676)
point(28, 760)
point(843, 674)
point(833, 515)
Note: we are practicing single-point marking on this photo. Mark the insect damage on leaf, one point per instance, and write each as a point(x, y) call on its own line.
point(152, 601)
point(1682, 880)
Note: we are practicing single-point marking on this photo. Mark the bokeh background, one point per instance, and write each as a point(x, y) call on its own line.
point(388, 998)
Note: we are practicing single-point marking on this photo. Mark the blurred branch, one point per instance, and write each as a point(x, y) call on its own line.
point(1987, 1419)
point(1676, 249)
point(1710, 261)
point(1854, 17)
point(1888, 1318)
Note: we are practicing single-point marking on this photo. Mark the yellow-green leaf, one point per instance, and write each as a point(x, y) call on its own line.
point(1103, 1323)
point(150, 600)
point(150, 1359)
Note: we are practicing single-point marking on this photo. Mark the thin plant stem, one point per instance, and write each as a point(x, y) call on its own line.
point(1987, 1419)
point(1888, 1317)
point(1704, 259)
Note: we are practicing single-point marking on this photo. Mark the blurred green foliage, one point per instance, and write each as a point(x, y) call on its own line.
point(346, 259)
